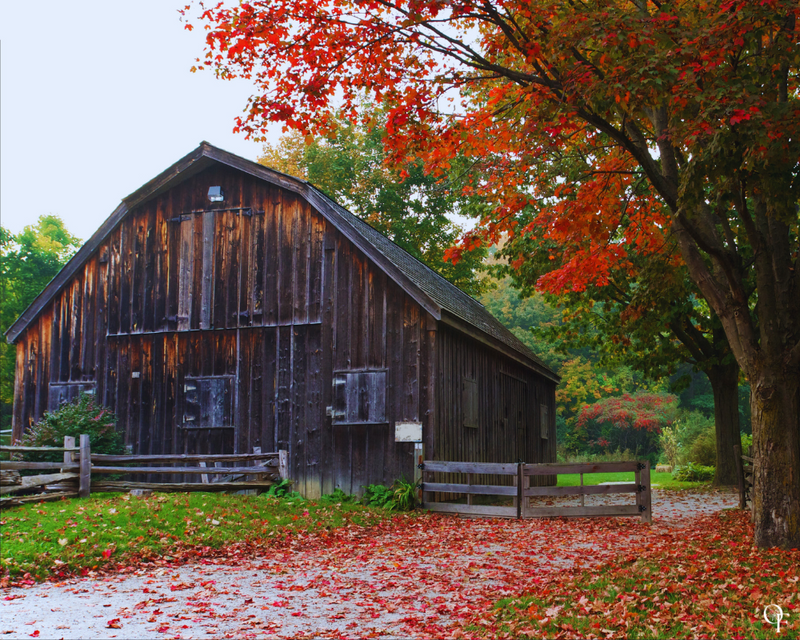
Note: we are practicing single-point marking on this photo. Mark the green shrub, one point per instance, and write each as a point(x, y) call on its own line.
point(703, 451)
point(669, 440)
point(401, 496)
point(405, 495)
point(282, 489)
point(339, 497)
point(692, 438)
point(84, 416)
point(378, 495)
point(692, 472)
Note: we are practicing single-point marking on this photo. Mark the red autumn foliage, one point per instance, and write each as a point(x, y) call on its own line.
point(624, 129)
point(646, 411)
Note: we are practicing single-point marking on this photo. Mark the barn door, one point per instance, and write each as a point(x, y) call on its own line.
point(208, 414)
point(196, 271)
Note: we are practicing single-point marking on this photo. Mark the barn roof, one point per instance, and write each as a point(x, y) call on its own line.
point(444, 301)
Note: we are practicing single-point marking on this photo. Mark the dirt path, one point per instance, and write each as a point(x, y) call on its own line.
point(412, 577)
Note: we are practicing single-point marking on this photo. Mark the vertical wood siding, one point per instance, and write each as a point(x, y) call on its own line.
point(277, 301)
point(508, 406)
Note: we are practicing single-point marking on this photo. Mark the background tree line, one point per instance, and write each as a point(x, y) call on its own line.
point(28, 261)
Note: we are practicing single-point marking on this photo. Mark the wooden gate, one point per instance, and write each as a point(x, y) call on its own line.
point(524, 494)
point(470, 470)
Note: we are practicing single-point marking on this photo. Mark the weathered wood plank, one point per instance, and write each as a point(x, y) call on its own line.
point(315, 264)
point(6, 447)
point(151, 258)
point(185, 275)
point(126, 276)
point(474, 489)
point(29, 482)
point(111, 486)
point(283, 464)
point(581, 512)
point(328, 333)
point(475, 509)
point(471, 467)
point(302, 241)
point(85, 480)
point(272, 239)
point(286, 256)
point(138, 272)
point(174, 470)
point(19, 464)
point(298, 427)
point(9, 477)
point(42, 497)
point(195, 280)
point(586, 490)
point(411, 359)
point(233, 275)
point(183, 457)
point(587, 467)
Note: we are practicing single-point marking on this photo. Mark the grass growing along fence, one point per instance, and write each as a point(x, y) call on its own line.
point(659, 480)
point(75, 536)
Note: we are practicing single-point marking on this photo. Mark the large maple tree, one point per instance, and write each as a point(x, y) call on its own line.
point(648, 316)
point(690, 107)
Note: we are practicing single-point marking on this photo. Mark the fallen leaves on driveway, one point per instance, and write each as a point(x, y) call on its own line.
point(442, 576)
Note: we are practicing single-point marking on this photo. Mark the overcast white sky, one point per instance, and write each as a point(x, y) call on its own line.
point(96, 98)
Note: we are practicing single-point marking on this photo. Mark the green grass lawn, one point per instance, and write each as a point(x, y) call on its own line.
point(663, 480)
point(75, 536)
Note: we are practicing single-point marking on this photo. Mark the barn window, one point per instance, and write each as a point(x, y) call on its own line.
point(544, 422)
point(469, 402)
point(208, 402)
point(359, 397)
point(66, 392)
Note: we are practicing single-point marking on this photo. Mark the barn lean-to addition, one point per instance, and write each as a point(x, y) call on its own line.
point(271, 317)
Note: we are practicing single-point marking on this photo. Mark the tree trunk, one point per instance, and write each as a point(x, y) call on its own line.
point(775, 401)
point(725, 385)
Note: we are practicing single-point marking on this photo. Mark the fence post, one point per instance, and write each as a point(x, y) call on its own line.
point(520, 482)
point(85, 486)
point(643, 496)
point(69, 456)
point(419, 457)
point(737, 454)
point(283, 464)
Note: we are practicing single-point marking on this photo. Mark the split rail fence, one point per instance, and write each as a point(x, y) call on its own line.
point(525, 497)
point(73, 477)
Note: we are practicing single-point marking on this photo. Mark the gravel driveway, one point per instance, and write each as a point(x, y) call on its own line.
point(411, 577)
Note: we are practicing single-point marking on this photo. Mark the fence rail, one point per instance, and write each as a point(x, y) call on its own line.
point(522, 492)
point(244, 471)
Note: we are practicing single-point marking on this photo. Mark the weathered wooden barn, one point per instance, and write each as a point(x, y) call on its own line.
point(224, 306)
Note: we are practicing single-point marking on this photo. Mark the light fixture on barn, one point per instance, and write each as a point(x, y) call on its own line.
point(215, 194)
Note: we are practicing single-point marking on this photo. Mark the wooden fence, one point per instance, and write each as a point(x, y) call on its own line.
point(523, 494)
point(471, 469)
point(248, 471)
